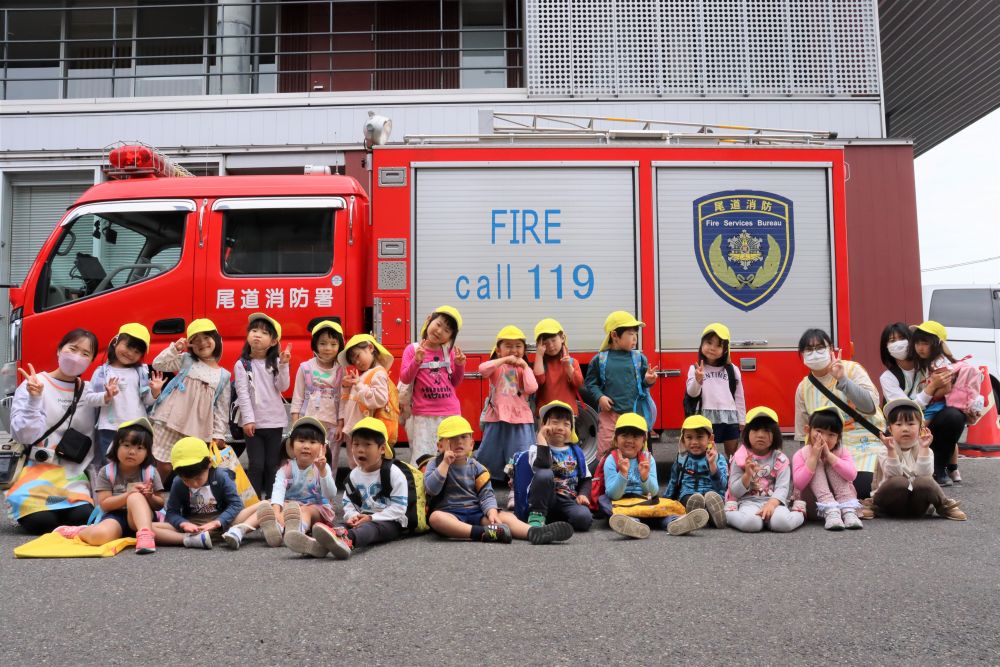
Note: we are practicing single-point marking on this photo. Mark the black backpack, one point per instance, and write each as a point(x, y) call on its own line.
point(692, 404)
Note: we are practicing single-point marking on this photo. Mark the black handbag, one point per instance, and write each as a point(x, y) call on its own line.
point(74, 445)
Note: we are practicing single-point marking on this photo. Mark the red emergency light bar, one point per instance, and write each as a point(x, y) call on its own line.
point(140, 161)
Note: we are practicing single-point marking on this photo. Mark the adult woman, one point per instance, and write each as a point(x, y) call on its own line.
point(55, 491)
point(848, 381)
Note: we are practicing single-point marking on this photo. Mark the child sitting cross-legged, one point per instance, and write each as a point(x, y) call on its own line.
point(463, 505)
point(699, 476)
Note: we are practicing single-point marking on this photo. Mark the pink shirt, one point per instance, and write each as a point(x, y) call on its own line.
point(434, 381)
point(802, 475)
point(511, 387)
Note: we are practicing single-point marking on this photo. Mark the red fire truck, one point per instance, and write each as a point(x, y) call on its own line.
point(681, 233)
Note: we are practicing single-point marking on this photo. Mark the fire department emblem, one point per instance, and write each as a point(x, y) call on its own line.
point(744, 243)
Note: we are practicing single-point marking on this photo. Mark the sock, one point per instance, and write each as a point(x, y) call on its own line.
point(536, 519)
point(242, 529)
point(477, 533)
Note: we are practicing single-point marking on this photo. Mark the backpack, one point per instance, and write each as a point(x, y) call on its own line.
point(389, 413)
point(235, 415)
point(597, 486)
point(523, 473)
point(692, 404)
point(644, 404)
point(416, 497)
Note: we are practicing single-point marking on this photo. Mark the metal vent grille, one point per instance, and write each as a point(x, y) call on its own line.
point(683, 48)
point(392, 275)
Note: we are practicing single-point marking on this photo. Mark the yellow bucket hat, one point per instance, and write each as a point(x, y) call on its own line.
point(452, 426)
point(450, 311)
point(544, 410)
point(762, 411)
point(328, 324)
point(549, 327)
point(201, 325)
point(304, 421)
point(383, 357)
point(934, 329)
point(695, 422)
point(509, 332)
point(632, 420)
point(188, 451)
point(617, 320)
point(141, 422)
point(267, 318)
point(719, 329)
point(135, 330)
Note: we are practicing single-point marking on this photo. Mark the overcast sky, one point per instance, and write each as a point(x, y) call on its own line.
point(958, 205)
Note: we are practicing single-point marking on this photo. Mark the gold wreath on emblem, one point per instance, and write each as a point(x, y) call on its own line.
point(726, 275)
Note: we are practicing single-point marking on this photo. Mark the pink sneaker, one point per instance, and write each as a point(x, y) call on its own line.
point(145, 542)
point(69, 532)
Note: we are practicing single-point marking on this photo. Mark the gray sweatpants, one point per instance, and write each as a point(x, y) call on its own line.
point(747, 520)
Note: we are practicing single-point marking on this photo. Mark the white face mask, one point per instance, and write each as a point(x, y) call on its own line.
point(898, 349)
point(817, 360)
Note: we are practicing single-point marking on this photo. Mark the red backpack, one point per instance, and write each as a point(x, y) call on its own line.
point(597, 485)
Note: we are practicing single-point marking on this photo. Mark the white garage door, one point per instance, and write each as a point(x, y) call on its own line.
point(513, 245)
point(748, 247)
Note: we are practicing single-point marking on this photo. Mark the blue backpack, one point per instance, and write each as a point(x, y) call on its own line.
point(644, 404)
point(522, 474)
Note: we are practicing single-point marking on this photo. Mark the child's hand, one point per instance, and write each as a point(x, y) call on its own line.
point(767, 509)
point(211, 525)
point(31, 378)
point(286, 355)
point(249, 429)
point(189, 527)
point(890, 444)
point(360, 519)
point(543, 435)
point(926, 437)
point(338, 432)
point(623, 465)
point(320, 464)
point(459, 356)
point(448, 457)
point(566, 359)
point(643, 466)
point(650, 376)
point(350, 379)
point(420, 352)
point(713, 460)
point(181, 345)
point(837, 370)
point(110, 389)
point(699, 372)
point(582, 500)
point(605, 404)
point(493, 515)
point(156, 382)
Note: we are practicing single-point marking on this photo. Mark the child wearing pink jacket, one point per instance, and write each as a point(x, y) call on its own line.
point(826, 469)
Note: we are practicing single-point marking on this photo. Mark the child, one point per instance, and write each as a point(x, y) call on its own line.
point(196, 401)
point(302, 494)
point(760, 483)
point(560, 486)
point(557, 374)
point(318, 384)
point(203, 500)
point(632, 473)
point(619, 378)
point(716, 384)
point(367, 386)
point(128, 489)
point(124, 371)
point(463, 504)
point(260, 376)
point(933, 359)
point(826, 469)
point(700, 477)
point(372, 514)
point(434, 367)
point(508, 425)
point(903, 485)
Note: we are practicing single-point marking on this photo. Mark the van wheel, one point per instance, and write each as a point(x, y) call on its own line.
point(586, 430)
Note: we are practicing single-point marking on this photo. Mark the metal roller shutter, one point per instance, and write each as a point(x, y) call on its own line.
point(469, 238)
point(686, 301)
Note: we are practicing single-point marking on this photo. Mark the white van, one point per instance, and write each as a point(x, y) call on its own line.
point(971, 313)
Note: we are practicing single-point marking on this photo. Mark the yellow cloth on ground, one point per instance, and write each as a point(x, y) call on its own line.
point(54, 545)
point(647, 508)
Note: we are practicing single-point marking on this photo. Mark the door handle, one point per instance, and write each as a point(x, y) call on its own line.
point(669, 373)
point(171, 325)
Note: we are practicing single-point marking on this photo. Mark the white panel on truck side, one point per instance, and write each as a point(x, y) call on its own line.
point(513, 245)
point(748, 279)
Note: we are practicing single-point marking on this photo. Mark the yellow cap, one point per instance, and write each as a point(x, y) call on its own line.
point(327, 324)
point(632, 420)
point(934, 329)
point(544, 410)
point(695, 422)
point(720, 330)
point(188, 451)
point(382, 356)
point(136, 330)
point(617, 320)
point(454, 425)
point(264, 316)
point(141, 422)
point(303, 421)
point(201, 325)
point(548, 326)
point(828, 408)
point(762, 411)
point(371, 424)
point(450, 311)
point(509, 332)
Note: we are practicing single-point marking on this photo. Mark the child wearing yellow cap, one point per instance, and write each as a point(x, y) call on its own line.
point(619, 377)
point(699, 477)
point(318, 384)
point(122, 383)
point(557, 373)
point(561, 482)
point(714, 388)
point(196, 401)
point(508, 424)
point(367, 388)
point(433, 367)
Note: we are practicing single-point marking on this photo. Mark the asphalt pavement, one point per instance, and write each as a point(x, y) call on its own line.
point(898, 592)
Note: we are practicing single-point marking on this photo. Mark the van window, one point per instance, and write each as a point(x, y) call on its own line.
point(966, 308)
point(277, 242)
point(100, 252)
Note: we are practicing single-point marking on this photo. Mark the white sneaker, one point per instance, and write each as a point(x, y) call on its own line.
point(851, 520)
point(629, 527)
point(833, 520)
point(233, 538)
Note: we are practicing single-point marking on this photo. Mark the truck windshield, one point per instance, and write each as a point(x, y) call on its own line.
point(277, 242)
point(99, 252)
